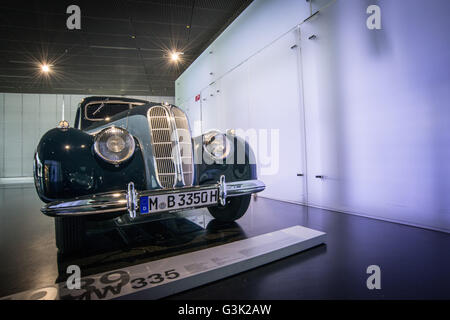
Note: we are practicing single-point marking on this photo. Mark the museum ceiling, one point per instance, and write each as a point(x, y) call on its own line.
point(123, 46)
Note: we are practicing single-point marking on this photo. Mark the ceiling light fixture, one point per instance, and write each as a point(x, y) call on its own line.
point(175, 56)
point(45, 68)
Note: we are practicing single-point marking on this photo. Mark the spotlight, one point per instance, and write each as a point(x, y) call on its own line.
point(175, 56)
point(45, 68)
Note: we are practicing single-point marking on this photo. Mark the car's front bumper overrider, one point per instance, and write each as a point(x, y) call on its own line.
point(128, 200)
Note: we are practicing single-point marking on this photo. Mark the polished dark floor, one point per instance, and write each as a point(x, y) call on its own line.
point(415, 263)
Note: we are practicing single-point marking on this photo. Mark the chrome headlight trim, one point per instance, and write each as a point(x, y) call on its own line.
point(114, 145)
point(220, 140)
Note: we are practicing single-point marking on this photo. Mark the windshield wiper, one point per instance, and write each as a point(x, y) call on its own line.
point(100, 107)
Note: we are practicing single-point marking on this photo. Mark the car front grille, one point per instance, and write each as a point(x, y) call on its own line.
point(172, 146)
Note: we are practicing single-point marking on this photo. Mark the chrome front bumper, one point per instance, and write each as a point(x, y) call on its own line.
point(129, 200)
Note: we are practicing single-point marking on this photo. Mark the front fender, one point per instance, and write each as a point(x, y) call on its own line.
point(65, 166)
point(240, 165)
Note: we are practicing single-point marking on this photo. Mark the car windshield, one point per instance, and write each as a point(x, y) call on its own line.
point(103, 110)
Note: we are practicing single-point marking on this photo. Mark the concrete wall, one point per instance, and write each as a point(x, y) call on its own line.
point(373, 103)
point(24, 118)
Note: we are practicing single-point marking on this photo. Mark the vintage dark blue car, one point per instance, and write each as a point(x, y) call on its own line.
point(134, 159)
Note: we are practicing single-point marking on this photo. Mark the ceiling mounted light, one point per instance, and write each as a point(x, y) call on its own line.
point(45, 68)
point(175, 56)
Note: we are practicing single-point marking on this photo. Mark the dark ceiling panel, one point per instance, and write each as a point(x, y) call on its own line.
point(218, 5)
point(161, 13)
point(106, 40)
point(122, 47)
point(107, 26)
point(105, 52)
point(29, 19)
point(204, 17)
point(19, 34)
point(161, 30)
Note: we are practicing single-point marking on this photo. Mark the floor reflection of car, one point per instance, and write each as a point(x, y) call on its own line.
point(117, 245)
point(133, 159)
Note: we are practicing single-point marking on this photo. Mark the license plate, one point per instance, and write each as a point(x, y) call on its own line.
point(182, 200)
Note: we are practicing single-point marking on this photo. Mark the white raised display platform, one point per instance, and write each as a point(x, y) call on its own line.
point(161, 278)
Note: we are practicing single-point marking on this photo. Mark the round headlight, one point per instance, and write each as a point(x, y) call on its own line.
point(114, 145)
point(216, 145)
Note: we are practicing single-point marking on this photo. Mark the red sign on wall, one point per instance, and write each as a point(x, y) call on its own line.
point(197, 97)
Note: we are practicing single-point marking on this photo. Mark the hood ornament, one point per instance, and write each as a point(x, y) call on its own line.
point(63, 124)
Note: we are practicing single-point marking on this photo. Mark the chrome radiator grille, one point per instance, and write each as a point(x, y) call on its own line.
point(185, 143)
point(172, 146)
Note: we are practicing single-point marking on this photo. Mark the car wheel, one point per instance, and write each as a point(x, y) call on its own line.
point(70, 233)
point(234, 209)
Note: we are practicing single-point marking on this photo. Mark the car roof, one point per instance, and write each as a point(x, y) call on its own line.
point(103, 98)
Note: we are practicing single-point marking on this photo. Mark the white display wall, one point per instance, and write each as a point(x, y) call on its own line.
point(365, 108)
point(252, 81)
point(24, 118)
point(276, 116)
point(377, 111)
